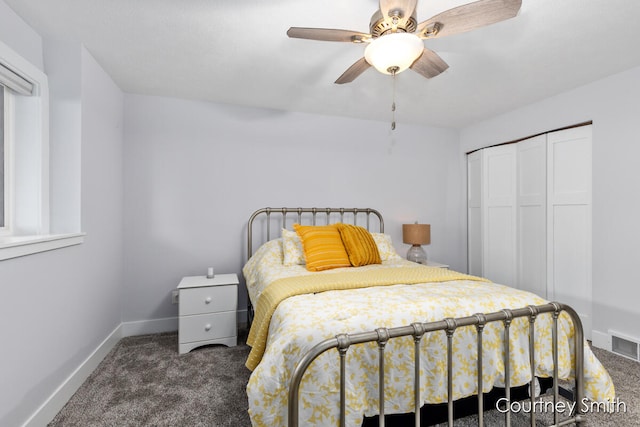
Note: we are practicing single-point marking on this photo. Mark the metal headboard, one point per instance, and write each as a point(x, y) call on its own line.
point(331, 215)
point(305, 215)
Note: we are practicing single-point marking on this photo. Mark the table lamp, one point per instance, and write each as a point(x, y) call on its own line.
point(416, 235)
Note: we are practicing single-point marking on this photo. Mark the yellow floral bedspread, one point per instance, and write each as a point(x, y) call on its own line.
point(301, 321)
point(351, 278)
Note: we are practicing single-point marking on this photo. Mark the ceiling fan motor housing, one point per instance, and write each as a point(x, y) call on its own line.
point(381, 25)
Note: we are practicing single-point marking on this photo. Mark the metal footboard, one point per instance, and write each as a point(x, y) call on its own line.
point(342, 343)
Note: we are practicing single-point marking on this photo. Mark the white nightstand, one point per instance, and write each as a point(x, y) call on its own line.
point(436, 264)
point(207, 311)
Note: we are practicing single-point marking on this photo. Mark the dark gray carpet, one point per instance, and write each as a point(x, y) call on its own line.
point(144, 382)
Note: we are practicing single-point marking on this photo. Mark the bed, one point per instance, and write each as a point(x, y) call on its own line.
point(407, 336)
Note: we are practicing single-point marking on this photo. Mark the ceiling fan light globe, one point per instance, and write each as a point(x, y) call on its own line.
point(394, 51)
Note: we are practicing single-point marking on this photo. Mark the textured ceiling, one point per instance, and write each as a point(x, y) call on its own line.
point(237, 52)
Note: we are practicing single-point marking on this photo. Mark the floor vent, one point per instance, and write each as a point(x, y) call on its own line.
point(625, 346)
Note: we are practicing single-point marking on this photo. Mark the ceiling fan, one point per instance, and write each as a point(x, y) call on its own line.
point(395, 38)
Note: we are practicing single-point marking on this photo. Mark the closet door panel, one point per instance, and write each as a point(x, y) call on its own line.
point(474, 179)
point(570, 255)
point(569, 234)
point(499, 214)
point(571, 168)
point(474, 217)
point(532, 171)
point(532, 244)
point(499, 255)
point(532, 215)
point(500, 175)
point(475, 242)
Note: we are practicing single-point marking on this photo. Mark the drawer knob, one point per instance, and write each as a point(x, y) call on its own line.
point(207, 300)
point(207, 327)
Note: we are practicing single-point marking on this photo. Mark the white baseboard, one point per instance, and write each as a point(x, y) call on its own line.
point(168, 324)
point(50, 408)
point(143, 327)
point(601, 340)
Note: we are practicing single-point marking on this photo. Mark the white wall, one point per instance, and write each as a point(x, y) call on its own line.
point(64, 70)
point(57, 307)
point(613, 104)
point(19, 36)
point(195, 172)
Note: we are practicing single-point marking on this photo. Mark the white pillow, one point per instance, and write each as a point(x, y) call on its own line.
point(293, 253)
point(385, 247)
point(268, 254)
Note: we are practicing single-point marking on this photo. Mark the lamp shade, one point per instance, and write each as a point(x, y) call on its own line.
point(416, 234)
point(394, 51)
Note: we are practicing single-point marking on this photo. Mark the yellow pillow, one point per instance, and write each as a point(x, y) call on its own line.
point(360, 246)
point(323, 248)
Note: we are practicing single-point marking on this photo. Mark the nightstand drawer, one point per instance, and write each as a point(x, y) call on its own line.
point(204, 327)
point(208, 299)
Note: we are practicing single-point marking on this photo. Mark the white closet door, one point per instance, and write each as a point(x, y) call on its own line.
point(474, 217)
point(532, 215)
point(499, 214)
point(569, 220)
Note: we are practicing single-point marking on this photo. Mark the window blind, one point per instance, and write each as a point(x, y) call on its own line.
point(15, 81)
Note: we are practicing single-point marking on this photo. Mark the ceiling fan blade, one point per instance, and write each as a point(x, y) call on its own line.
point(327, 34)
point(403, 9)
point(359, 67)
point(468, 17)
point(429, 64)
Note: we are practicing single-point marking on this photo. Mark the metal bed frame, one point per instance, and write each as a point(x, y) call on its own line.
point(342, 343)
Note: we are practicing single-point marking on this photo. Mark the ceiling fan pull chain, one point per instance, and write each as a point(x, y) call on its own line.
point(393, 71)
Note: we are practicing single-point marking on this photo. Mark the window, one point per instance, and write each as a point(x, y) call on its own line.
point(24, 161)
point(6, 157)
point(5, 160)
point(3, 166)
point(17, 111)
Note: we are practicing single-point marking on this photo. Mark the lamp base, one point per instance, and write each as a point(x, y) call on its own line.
point(417, 254)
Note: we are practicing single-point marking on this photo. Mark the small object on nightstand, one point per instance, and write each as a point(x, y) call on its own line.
point(207, 311)
point(416, 235)
point(210, 274)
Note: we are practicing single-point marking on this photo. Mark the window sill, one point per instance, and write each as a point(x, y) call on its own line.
point(13, 247)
